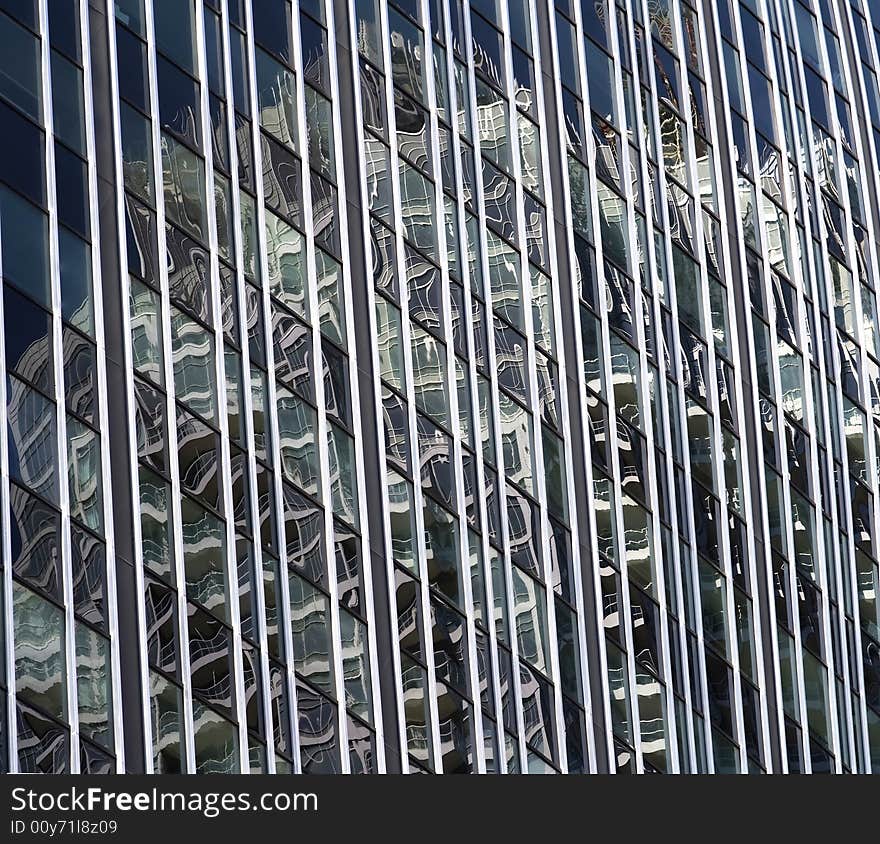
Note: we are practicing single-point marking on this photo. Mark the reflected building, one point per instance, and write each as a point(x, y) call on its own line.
point(439, 387)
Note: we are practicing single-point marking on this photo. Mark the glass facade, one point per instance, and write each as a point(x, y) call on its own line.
point(440, 386)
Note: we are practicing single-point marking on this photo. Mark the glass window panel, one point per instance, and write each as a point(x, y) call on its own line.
point(530, 616)
point(179, 103)
point(160, 609)
point(28, 340)
point(24, 231)
point(310, 631)
point(362, 751)
point(146, 327)
point(183, 176)
point(155, 514)
point(94, 694)
point(538, 711)
point(429, 374)
point(198, 459)
point(80, 375)
point(319, 751)
point(637, 541)
point(204, 540)
point(504, 280)
point(20, 67)
point(76, 281)
point(331, 307)
point(493, 124)
point(304, 529)
point(131, 54)
point(407, 50)
point(272, 28)
point(39, 651)
point(22, 155)
point(216, 742)
point(343, 483)
point(516, 442)
point(319, 126)
point(414, 682)
point(175, 30)
point(165, 720)
point(286, 264)
point(417, 209)
point(35, 549)
point(355, 664)
point(137, 152)
point(315, 59)
point(33, 444)
point(193, 359)
point(335, 372)
point(276, 91)
point(293, 352)
point(442, 550)
point(282, 180)
point(402, 520)
point(388, 344)
point(413, 131)
point(210, 651)
point(84, 475)
point(43, 745)
point(297, 426)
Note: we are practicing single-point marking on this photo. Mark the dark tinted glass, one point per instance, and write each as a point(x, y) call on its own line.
point(22, 155)
point(179, 104)
point(28, 338)
point(131, 55)
point(272, 28)
point(71, 187)
point(64, 27)
point(35, 529)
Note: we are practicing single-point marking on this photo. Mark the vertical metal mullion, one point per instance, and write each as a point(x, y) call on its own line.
point(531, 363)
point(246, 402)
point(718, 451)
point(101, 365)
point(467, 318)
point(7, 635)
point(578, 341)
point(354, 391)
point(851, 41)
point(271, 420)
point(128, 366)
point(747, 328)
point(59, 397)
point(230, 567)
point(323, 424)
point(377, 396)
point(747, 510)
point(836, 562)
point(720, 480)
point(431, 688)
point(688, 579)
point(664, 399)
point(795, 198)
point(670, 724)
point(478, 749)
point(871, 458)
point(626, 620)
point(473, 397)
point(170, 406)
point(565, 422)
point(777, 393)
point(499, 456)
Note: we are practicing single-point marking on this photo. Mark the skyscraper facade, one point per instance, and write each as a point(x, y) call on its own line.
point(440, 386)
